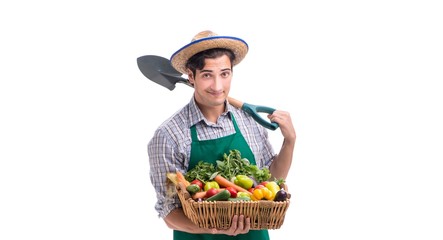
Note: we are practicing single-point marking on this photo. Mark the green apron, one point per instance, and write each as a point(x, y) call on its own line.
point(210, 151)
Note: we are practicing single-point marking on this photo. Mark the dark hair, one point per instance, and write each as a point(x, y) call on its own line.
point(198, 60)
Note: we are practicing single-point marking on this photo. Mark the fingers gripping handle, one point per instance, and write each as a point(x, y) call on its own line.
point(253, 110)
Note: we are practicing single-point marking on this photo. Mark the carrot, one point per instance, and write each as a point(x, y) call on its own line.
point(198, 195)
point(226, 183)
point(181, 178)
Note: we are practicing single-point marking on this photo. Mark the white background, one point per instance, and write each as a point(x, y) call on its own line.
point(362, 80)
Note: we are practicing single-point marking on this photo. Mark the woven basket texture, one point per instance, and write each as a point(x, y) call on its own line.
point(264, 214)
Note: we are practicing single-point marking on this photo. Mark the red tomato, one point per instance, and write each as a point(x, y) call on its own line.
point(259, 186)
point(232, 191)
point(198, 182)
point(263, 183)
point(211, 192)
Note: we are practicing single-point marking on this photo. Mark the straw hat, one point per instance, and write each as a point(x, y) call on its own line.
point(206, 40)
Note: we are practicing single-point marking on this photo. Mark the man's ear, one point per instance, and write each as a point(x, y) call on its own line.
point(190, 77)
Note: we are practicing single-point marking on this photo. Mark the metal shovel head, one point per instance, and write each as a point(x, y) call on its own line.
point(160, 70)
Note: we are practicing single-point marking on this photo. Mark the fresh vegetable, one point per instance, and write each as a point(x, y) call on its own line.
point(199, 195)
point(193, 188)
point(273, 187)
point(232, 191)
point(226, 183)
point(233, 164)
point(239, 199)
point(202, 171)
point(260, 186)
point(230, 166)
point(211, 192)
point(211, 184)
point(259, 174)
point(244, 195)
point(281, 195)
point(254, 181)
point(172, 177)
point(221, 196)
point(257, 194)
point(280, 182)
point(181, 178)
point(263, 183)
point(243, 181)
point(198, 182)
point(261, 193)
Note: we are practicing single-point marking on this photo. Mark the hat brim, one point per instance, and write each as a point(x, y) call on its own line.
point(238, 46)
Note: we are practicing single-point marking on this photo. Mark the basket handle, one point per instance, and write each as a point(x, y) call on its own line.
point(181, 188)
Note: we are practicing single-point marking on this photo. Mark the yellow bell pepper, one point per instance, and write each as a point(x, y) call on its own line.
point(262, 193)
point(211, 184)
point(273, 187)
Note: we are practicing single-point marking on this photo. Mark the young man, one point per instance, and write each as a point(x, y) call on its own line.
point(209, 126)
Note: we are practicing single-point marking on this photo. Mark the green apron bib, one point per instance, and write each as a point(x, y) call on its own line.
point(210, 151)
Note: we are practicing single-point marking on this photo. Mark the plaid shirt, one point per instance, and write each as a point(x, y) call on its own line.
point(170, 148)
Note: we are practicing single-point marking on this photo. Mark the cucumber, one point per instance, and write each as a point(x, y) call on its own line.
point(193, 188)
point(221, 196)
point(239, 199)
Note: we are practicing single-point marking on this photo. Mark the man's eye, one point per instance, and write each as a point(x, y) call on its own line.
point(225, 74)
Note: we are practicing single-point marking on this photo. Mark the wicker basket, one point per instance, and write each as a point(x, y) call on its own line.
point(264, 214)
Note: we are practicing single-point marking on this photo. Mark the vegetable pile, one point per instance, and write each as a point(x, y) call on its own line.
point(231, 179)
point(230, 166)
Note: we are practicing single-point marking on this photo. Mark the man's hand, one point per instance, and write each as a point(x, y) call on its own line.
point(239, 225)
point(284, 121)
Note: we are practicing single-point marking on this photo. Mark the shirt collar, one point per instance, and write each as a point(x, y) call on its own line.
point(196, 116)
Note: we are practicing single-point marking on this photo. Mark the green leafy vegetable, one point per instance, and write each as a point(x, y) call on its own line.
point(233, 164)
point(202, 171)
point(230, 166)
point(280, 181)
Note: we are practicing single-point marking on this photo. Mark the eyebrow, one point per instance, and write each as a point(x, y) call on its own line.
point(225, 69)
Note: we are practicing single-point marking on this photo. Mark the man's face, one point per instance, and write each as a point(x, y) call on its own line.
point(213, 82)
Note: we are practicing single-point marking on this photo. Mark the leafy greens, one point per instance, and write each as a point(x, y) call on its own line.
point(230, 166)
